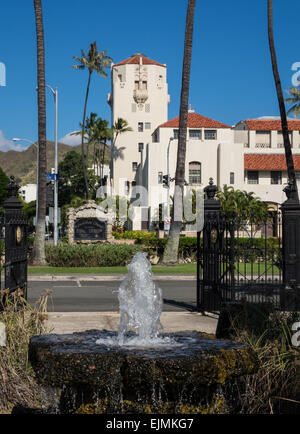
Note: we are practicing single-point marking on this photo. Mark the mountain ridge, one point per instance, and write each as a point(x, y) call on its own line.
point(22, 164)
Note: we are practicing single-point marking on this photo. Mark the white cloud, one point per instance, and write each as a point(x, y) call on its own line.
point(9, 145)
point(68, 139)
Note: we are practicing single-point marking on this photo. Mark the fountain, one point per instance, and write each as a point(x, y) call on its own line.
point(138, 369)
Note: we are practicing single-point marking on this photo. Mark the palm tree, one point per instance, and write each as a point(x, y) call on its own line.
point(99, 134)
point(38, 256)
point(93, 61)
point(171, 250)
point(119, 127)
point(285, 131)
point(243, 204)
point(295, 99)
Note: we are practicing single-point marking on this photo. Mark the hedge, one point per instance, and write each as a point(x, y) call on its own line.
point(93, 255)
point(139, 236)
point(106, 255)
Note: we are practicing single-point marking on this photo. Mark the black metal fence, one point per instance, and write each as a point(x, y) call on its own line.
point(13, 244)
point(239, 261)
point(253, 261)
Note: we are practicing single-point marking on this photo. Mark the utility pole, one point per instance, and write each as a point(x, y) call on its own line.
point(55, 214)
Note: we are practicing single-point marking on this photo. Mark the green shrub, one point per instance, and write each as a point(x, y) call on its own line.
point(92, 255)
point(30, 241)
point(139, 236)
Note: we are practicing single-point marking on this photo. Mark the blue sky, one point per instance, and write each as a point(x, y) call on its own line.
point(231, 77)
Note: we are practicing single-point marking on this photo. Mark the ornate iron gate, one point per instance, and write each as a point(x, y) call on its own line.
point(238, 260)
point(14, 228)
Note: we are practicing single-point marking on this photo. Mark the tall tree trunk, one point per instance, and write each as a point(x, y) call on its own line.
point(171, 250)
point(103, 160)
point(38, 257)
point(285, 130)
point(83, 153)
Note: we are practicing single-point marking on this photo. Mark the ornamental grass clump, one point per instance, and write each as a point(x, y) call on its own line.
point(275, 388)
point(22, 321)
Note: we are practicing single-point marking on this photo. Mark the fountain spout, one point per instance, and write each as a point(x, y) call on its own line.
point(140, 303)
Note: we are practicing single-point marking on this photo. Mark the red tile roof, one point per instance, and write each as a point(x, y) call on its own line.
point(195, 121)
point(268, 162)
point(271, 124)
point(135, 60)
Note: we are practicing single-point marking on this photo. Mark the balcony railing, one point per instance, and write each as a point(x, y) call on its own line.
point(281, 145)
point(263, 145)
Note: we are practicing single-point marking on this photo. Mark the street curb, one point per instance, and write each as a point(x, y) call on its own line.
point(101, 277)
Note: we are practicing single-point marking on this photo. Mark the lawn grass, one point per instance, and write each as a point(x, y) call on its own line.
point(157, 269)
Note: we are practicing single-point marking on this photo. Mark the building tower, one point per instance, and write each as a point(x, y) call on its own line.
point(139, 94)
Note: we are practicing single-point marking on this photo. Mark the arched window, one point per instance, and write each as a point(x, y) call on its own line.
point(194, 172)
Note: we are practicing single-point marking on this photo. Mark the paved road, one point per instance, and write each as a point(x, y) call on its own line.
point(85, 296)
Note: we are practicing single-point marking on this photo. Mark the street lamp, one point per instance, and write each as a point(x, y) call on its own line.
point(55, 217)
point(16, 139)
point(167, 225)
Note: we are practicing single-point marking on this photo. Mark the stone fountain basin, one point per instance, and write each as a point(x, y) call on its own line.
point(69, 359)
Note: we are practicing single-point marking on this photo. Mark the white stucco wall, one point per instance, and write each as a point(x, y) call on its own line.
point(28, 192)
point(212, 154)
point(153, 111)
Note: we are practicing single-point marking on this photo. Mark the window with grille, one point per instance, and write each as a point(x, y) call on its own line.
point(210, 134)
point(276, 177)
point(194, 172)
point(253, 177)
point(195, 134)
point(147, 125)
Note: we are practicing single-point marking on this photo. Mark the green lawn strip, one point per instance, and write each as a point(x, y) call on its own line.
point(157, 269)
point(180, 269)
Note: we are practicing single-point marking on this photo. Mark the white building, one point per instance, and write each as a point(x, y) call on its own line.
point(28, 192)
point(249, 156)
point(265, 170)
point(139, 94)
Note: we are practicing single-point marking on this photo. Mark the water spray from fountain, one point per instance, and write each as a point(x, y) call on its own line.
point(140, 307)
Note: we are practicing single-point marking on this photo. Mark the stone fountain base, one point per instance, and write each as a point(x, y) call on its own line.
point(78, 376)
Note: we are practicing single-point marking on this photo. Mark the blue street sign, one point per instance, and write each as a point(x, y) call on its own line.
point(52, 176)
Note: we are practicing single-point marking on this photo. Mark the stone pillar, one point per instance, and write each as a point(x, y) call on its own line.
point(211, 233)
point(207, 287)
point(16, 247)
point(290, 296)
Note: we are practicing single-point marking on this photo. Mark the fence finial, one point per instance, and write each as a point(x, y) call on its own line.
point(211, 189)
point(12, 187)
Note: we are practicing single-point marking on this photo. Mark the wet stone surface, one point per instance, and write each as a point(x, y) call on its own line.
point(62, 358)
point(189, 373)
point(187, 344)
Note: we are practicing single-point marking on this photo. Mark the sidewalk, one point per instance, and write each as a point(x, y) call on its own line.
point(100, 277)
point(70, 322)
